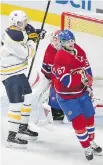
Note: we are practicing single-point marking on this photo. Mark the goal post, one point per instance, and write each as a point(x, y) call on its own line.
point(82, 23)
point(89, 34)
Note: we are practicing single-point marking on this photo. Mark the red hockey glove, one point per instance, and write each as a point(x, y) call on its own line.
point(90, 79)
point(90, 91)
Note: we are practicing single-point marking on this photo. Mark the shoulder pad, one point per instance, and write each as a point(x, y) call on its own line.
point(14, 34)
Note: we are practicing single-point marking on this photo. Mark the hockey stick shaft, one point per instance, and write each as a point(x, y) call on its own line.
point(100, 105)
point(32, 62)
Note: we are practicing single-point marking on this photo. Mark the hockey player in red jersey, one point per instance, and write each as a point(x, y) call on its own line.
point(47, 64)
point(73, 81)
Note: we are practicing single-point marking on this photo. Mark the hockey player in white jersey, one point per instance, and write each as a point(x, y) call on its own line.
point(18, 44)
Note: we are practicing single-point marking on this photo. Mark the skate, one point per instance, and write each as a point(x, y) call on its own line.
point(14, 142)
point(65, 120)
point(26, 133)
point(97, 150)
point(89, 153)
point(57, 114)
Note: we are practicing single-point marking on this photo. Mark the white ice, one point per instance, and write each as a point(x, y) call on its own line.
point(57, 143)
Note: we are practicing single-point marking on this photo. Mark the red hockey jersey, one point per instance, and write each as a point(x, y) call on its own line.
point(67, 82)
point(48, 61)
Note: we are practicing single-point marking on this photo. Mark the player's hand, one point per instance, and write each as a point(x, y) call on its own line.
point(31, 32)
point(42, 34)
point(85, 81)
point(90, 79)
point(34, 37)
point(82, 72)
point(84, 78)
point(90, 92)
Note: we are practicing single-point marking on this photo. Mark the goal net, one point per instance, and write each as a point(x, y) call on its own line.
point(89, 34)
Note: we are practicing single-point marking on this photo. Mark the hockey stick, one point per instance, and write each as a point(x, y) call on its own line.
point(99, 105)
point(32, 62)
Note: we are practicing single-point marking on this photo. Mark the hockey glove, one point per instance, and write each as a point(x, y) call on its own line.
point(87, 79)
point(34, 37)
point(42, 34)
point(31, 32)
point(84, 78)
point(90, 79)
point(90, 91)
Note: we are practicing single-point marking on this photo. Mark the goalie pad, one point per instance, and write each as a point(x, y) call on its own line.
point(41, 87)
point(48, 113)
point(41, 95)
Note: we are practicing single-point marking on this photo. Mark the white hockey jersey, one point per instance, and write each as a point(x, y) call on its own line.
point(15, 52)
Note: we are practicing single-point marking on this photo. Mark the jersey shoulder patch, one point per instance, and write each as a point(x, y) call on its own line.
point(15, 34)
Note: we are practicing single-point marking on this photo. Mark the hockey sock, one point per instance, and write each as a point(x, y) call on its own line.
point(90, 128)
point(26, 109)
point(79, 125)
point(14, 116)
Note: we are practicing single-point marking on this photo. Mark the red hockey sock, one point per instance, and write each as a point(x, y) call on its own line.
point(79, 125)
point(90, 128)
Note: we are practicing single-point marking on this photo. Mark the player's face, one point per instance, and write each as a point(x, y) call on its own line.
point(69, 44)
point(57, 43)
point(23, 24)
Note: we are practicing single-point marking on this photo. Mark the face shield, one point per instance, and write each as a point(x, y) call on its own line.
point(56, 43)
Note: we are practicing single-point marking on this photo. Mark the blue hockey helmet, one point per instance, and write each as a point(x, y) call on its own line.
point(66, 35)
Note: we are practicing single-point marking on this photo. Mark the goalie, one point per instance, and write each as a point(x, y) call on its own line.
point(46, 69)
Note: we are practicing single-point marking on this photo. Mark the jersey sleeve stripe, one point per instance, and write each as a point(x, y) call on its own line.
point(89, 71)
point(46, 68)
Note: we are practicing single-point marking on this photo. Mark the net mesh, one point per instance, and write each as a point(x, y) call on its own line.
point(89, 34)
point(82, 24)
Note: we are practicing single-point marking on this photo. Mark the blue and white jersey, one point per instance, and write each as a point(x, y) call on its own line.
point(14, 52)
